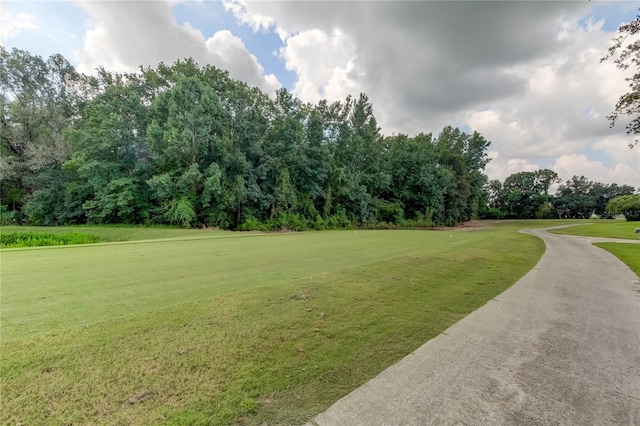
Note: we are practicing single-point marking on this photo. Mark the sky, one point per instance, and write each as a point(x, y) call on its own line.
point(526, 75)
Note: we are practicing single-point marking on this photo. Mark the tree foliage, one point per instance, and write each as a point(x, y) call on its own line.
point(626, 51)
point(38, 100)
point(526, 195)
point(187, 145)
point(628, 205)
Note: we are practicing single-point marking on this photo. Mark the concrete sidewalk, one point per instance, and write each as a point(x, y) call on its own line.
point(560, 347)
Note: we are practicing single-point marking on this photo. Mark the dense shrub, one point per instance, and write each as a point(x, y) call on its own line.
point(494, 213)
point(37, 239)
point(8, 217)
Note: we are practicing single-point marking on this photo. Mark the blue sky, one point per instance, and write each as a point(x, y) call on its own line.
point(526, 75)
point(211, 17)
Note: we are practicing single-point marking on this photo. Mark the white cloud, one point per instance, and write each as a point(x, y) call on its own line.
point(12, 24)
point(543, 82)
point(562, 115)
point(503, 131)
point(615, 147)
point(539, 95)
point(241, 63)
point(124, 35)
point(324, 64)
point(501, 167)
point(568, 166)
point(255, 21)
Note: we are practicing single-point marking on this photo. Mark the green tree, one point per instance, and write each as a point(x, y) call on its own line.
point(574, 198)
point(111, 154)
point(545, 178)
point(524, 195)
point(628, 205)
point(359, 175)
point(495, 194)
point(188, 145)
point(476, 160)
point(627, 55)
point(416, 188)
point(189, 140)
point(451, 144)
point(282, 151)
point(603, 193)
point(521, 195)
point(186, 120)
point(39, 100)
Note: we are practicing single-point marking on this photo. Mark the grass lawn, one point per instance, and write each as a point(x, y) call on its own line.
point(202, 327)
point(603, 228)
point(628, 253)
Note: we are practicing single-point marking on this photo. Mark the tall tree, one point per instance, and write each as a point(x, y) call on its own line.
point(314, 164)
point(39, 100)
point(545, 178)
point(451, 144)
point(111, 154)
point(575, 198)
point(477, 159)
point(359, 173)
point(416, 187)
point(627, 56)
point(520, 194)
point(188, 136)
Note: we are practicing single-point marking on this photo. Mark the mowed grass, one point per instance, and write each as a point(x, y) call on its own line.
point(246, 329)
point(628, 253)
point(603, 228)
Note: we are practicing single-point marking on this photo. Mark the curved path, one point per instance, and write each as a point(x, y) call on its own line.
point(560, 347)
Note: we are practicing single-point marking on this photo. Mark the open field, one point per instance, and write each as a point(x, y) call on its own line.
point(223, 328)
point(603, 228)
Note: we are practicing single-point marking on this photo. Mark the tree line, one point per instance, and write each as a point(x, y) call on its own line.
point(525, 195)
point(187, 145)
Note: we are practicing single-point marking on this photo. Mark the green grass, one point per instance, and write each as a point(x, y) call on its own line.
point(603, 228)
point(628, 253)
point(219, 328)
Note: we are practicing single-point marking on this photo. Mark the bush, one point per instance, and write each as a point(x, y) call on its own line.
point(339, 220)
point(8, 217)
point(494, 213)
point(420, 221)
point(391, 212)
point(296, 222)
point(38, 239)
point(252, 224)
point(291, 221)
